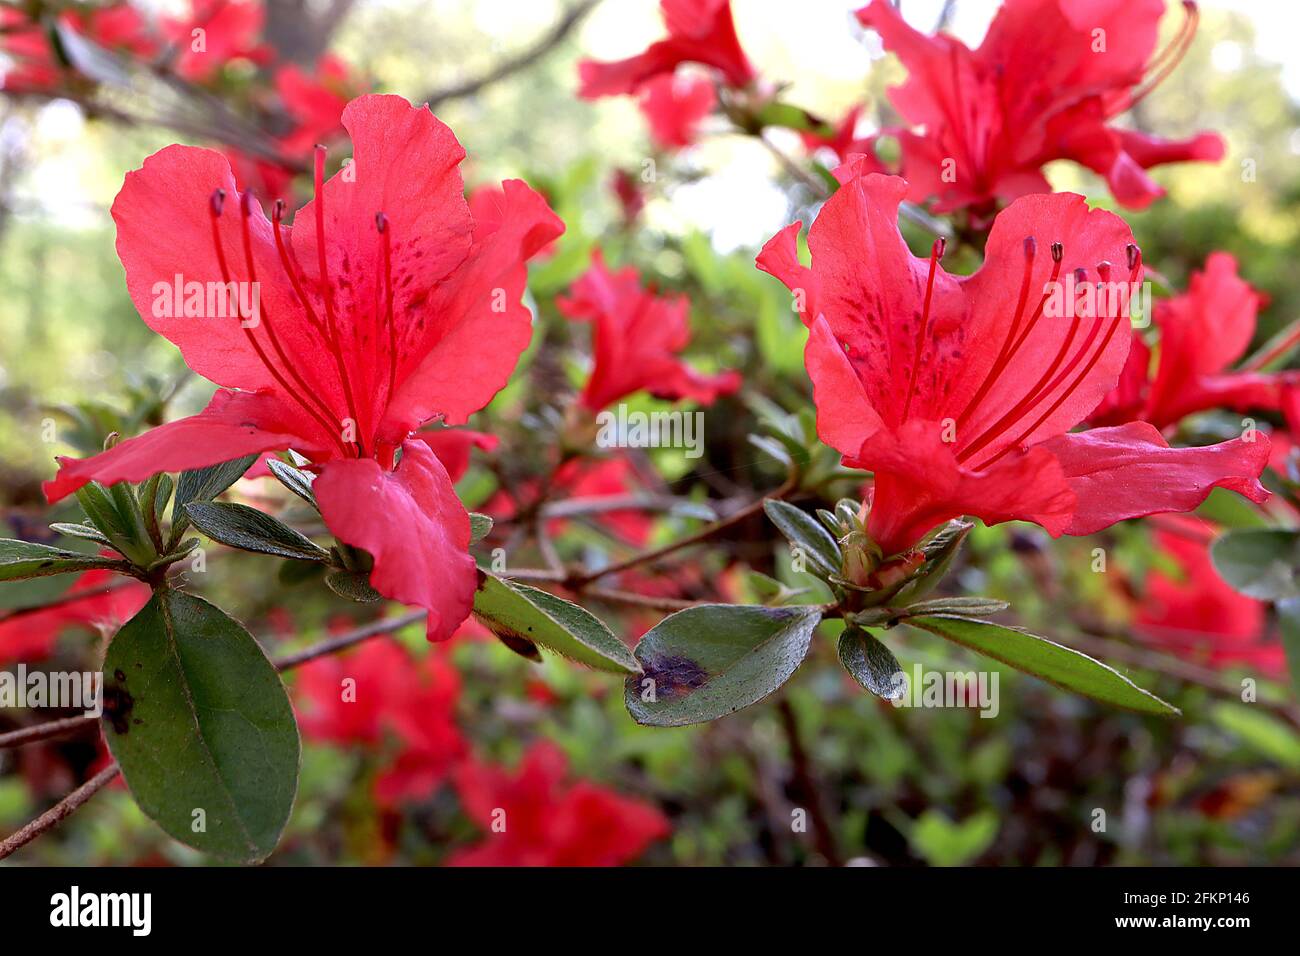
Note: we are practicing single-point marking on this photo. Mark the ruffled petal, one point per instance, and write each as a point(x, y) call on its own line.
point(475, 327)
point(452, 446)
point(1129, 471)
point(845, 418)
point(164, 239)
point(1071, 350)
point(780, 258)
point(414, 526)
point(919, 485)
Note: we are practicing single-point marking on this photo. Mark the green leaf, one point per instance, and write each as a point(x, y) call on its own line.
point(944, 843)
point(198, 719)
point(295, 479)
point(101, 508)
point(940, 552)
point(871, 663)
point(805, 532)
point(1228, 509)
point(479, 527)
point(710, 661)
point(248, 529)
point(353, 586)
point(1260, 563)
point(85, 531)
point(776, 113)
point(1267, 735)
point(26, 559)
point(1054, 663)
point(530, 615)
point(204, 484)
point(1288, 616)
point(968, 607)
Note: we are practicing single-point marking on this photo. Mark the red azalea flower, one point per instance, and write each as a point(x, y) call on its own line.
point(549, 824)
point(452, 446)
point(699, 31)
point(118, 27)
point(636, 337)
point(345, 698)
point(315, 102)
point(843, 140)
point(1038, 88)
point(959, 392)
point(675, 106)
point(29, 635)
point(375, 691)
point(231, 29)
point(431, 744)
point(1196, 614)
point(631, 197)
point(418, 317)
point(1202, 332)
point(604, 478)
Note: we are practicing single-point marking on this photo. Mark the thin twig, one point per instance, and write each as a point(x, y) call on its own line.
point(615, 596)
point(46, 731)
point(557, 34)
point(341, 643)
point(59, 812)
point(823, 832)
point(582, 580)
point(602, 504)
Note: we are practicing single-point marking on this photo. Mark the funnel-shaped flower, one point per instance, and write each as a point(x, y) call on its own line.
point(699, 31)
point(1043, 85)
point(385, 306)
point(960, 392)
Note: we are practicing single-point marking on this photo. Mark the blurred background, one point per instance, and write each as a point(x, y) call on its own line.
point(876, 784)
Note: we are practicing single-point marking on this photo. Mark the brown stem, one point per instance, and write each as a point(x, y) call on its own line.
point(639, 600)
point(806, 782)
point(553, 38)
point(344, 641)
point(59, 812)
point(46, 731)
point(578, 582)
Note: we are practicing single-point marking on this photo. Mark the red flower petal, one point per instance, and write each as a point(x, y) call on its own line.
point(699, 31)
point(477, 327)
point(413, 524)
point(636, 338)
point(1130, 471)
point(234, 424)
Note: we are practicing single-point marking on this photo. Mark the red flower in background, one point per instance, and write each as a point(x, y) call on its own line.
point(1195, 614)
point(1202, 332)
point(214, 33)
point(547, 823)
point(636, 336)
point(117, 27)
point(699, 31)
point(378, 691)
point(1043, 85)
point(959, 392)
point(29, 635)
point(843, 140)
point(386, 307)
point(452, 446)
point(315, 102)
point(604, 478)
point(675, 106)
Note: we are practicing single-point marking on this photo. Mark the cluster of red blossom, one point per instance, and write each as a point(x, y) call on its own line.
point(392, 301)
point(378, 694)
point(213, 36)
point(899, 348)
